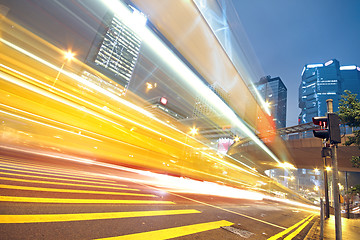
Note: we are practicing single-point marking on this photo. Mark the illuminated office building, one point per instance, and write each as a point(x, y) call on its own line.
point(325, 81)
point(274, 92)
point(115, 50)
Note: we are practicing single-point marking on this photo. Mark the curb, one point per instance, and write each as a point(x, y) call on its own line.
point(314, 233)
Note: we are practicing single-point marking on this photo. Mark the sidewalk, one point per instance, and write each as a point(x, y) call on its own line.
point(350, 229)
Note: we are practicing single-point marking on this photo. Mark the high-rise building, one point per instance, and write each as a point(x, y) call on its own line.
point(274, 93)
point(115, 49)
point(325, 81)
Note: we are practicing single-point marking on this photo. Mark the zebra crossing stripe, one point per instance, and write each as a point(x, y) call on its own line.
point(66, 184)
point(50, 171)
point(41, 189)
point(173, 232)
point(70, 200)
point(42, 218)
point(54, 178)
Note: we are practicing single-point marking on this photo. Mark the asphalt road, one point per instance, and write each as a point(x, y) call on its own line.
point(47, 198)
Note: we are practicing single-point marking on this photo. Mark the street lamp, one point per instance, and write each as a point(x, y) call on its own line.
point(193, 131)
point(68, 57)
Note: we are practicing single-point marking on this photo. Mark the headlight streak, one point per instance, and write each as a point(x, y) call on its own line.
point(187, 75)
point(81, 80)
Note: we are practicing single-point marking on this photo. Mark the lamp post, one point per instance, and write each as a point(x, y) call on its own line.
point(68, 57)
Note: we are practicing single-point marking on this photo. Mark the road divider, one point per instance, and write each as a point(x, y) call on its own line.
point(303, 223)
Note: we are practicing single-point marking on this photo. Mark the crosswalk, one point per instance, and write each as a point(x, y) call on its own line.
point(38, 184)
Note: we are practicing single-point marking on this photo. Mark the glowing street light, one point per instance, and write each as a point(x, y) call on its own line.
point(328, 168)
point(286, 165)
point(193, 131)
point(68, 57)
point(267, 104)
point(316, 188)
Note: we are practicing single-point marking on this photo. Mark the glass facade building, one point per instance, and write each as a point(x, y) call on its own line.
point(325, 81)
point(115, 49)
point(274, 92)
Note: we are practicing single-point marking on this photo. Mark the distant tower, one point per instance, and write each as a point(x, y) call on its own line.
point(274, 92)
point(325, 81)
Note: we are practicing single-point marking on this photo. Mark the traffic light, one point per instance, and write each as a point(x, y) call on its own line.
point(330, 128)
point(322, 133)
point(334, 128)
point(163, 101)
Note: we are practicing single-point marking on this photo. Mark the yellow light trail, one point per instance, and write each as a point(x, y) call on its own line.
point(129, 120)
point(102, 108)
point(113, 96)
point(41, 218)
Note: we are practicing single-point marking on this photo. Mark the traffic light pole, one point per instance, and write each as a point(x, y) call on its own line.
point(326, 185)
point(337, 207)
point(335, 185)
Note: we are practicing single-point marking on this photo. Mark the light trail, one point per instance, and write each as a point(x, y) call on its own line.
point(93, 113)
point(118, 118)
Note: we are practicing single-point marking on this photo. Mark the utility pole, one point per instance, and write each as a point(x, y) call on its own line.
point(335, 176)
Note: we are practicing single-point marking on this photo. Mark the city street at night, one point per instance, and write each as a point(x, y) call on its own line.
point(47, 198)
point(181, 119)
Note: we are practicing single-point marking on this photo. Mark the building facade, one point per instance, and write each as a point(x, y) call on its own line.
point(325, 81)
point(274, 92)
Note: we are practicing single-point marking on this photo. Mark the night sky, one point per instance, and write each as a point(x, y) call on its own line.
point(287, 34)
